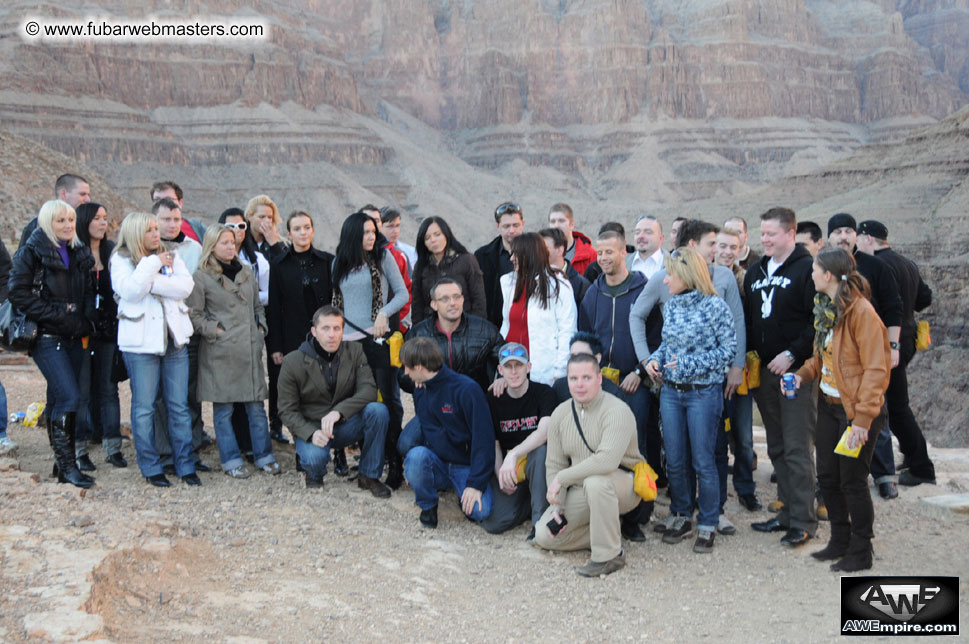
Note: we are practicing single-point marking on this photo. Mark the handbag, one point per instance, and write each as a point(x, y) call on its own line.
point(17, 331)
point(119, 372)
point(644, 478)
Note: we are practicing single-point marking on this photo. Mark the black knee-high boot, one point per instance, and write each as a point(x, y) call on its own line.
point(61, 434)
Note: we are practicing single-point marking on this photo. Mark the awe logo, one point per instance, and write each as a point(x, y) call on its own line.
point(899, 601)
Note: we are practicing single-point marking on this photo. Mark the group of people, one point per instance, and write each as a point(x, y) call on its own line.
point(544, 367)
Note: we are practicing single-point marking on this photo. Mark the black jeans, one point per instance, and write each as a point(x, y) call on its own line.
point(844, 480)
point(903, 425)
point(272, 369)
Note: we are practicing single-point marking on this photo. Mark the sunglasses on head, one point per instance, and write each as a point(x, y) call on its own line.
point(507, 208)
point(516, 352)
point(240, 225)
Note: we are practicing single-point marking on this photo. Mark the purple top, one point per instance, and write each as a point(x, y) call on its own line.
point(62, 249)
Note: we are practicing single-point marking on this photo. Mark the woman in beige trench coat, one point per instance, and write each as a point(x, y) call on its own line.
point(226, 312)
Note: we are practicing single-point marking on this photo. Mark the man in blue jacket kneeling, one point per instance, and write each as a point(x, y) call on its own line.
point(457, 443)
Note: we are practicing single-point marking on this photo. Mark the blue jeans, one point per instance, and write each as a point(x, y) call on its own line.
point(147, 372)
point(59, 359)
point(741, 413)
point(368, 426)
point(99, 399)
point(262, 448)
point(428, 475)
point(410, 437)
point(690, 422)
point(639, 402)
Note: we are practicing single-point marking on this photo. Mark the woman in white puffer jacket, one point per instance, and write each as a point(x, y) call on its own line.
point(541, 313)
point(153, 332)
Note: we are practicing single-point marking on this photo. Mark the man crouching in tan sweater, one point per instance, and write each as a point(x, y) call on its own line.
point(586, 487)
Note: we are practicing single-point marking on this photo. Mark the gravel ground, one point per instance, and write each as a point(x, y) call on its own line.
point(266, 560)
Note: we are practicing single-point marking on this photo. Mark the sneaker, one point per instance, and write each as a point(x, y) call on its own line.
point(723, 527)
point(6, 444)
point(603, 568)
point(775, 506)
point(665, 525)
point(271, 468)
point(704, 540)
point(682, 528)
point(888, 490)
point(241, 472)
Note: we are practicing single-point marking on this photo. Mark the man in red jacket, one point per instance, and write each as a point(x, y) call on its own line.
point(579, 249)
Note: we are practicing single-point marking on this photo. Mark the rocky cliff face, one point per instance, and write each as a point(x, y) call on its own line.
point(719, 96)
point(919, 188)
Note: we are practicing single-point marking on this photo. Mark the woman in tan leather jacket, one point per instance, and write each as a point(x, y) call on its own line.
point(852, 363)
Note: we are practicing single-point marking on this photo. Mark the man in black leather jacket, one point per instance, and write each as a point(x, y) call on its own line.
point(469, 343)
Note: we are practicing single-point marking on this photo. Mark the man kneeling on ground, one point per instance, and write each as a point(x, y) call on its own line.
point(456, 446)
point(589, 439)
point(328, 399)
point(521, 415)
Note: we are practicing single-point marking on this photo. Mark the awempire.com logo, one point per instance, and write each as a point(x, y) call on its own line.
point(899, 605)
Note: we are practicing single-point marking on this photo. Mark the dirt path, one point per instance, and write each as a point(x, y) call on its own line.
point(266, 560)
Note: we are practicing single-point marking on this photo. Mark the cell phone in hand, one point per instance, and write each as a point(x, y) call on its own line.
point(554, 527)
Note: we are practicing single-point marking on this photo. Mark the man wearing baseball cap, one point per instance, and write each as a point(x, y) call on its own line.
point(916, 295)
point(886, 298)
point(521, 415)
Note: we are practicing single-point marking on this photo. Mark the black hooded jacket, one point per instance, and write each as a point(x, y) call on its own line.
point(779, 310)
point(65, 304)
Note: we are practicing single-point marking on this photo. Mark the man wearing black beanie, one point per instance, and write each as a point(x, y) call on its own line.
point(886, 299)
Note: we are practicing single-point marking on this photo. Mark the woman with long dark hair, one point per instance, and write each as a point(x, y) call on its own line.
point(538, 309)
point(225, 310)
point(100, 405)
point(439, 255)
point(852, 363)
point(698, 344)
point(368, 287)
point(50, 283)
point(153, 333)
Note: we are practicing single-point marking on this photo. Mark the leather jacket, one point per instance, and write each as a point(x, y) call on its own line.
point(472, 349)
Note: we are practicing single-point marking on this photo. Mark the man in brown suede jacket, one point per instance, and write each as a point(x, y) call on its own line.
point(328, 399)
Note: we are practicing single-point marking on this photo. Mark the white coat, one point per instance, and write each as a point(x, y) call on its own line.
point(149, 301)
point(549, 330)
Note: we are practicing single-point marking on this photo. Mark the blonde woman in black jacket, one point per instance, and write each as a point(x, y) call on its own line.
point(50, 283)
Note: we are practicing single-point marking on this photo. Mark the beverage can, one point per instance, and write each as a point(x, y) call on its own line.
point(17, 417)
point(167, 270)
point(787, 384)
